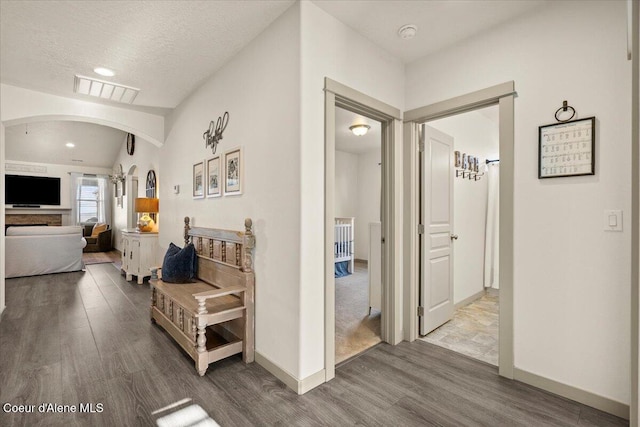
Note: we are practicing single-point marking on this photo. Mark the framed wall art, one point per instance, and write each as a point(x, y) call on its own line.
point(233, 172)
point(214, 184)
point(198, 180)
point(567, 149)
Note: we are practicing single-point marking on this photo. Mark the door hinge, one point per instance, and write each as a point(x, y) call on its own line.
point(421, 146)
point(420, 311)
point(420, 229)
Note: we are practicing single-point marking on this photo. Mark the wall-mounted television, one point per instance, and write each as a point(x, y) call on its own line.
point(31, 190)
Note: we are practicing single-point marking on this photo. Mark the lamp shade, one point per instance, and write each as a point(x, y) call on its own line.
point(147, 205)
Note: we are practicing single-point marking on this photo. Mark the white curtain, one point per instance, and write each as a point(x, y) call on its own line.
point(492, 228)
point(76, 181)
point(104, 196)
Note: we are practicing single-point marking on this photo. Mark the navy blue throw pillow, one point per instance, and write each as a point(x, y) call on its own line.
point(180, 265)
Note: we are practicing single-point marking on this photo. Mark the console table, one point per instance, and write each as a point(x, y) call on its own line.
point(139, 251)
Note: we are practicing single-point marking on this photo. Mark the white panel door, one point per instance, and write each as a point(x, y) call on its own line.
point(436, 266)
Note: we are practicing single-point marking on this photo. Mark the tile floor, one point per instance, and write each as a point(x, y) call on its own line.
point(473, 331)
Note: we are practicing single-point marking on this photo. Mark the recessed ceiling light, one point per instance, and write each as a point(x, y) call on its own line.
point(104, 72)
point(408, 31)
point(70, 144)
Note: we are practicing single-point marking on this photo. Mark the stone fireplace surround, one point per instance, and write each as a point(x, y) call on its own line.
point(33, 219)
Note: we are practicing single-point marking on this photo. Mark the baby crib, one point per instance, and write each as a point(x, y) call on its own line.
point(343, 248)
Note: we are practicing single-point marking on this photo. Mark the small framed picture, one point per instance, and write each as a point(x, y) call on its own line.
point(214, 186)
point(457, 159)
point(567, 149)
point(198, 180)
point(233, 172)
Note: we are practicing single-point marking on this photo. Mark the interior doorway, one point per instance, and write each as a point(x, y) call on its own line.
point(357, 231)
point(461, 307)
point(339, 95)
point(503, 96)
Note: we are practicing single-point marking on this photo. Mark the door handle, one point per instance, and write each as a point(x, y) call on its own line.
point(454, 237)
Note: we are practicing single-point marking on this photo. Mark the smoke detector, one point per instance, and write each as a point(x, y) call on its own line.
point(408, 31)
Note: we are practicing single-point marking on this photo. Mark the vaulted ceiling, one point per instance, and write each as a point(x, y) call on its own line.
point(169, 48)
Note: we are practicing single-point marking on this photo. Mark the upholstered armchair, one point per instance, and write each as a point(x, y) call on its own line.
point(98, 237)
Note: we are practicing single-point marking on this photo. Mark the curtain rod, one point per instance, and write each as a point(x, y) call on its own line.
point(492, 161)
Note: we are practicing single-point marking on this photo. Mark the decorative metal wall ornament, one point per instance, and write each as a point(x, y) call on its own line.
point(213, 135)
point(117, 179)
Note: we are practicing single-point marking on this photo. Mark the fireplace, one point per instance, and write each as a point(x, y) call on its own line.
point(33, 219)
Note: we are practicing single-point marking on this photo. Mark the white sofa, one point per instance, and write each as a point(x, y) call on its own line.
point(35, 250)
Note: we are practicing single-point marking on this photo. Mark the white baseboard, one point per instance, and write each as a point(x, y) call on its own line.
point(299, 386)
point(602, 403)
point(470, 299)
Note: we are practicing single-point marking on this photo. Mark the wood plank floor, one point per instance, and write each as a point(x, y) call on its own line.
point(75, 338)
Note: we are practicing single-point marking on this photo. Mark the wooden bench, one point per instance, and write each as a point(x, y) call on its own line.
point(212, 318)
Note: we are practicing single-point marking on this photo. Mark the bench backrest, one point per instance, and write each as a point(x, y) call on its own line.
point(224, 257)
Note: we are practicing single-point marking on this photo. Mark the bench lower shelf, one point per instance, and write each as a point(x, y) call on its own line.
point(220, 342)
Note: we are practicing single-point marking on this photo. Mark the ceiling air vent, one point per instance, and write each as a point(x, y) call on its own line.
point(105, 90)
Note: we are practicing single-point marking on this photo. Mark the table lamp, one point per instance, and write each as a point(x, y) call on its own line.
point(146, 205)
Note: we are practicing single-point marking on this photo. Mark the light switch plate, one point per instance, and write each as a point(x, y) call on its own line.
point(613, 220)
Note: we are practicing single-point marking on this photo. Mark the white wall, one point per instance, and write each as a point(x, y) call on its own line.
point(146, 157)
point(368, 199)
point(475, 135)
point(56, 171)
point(357, 194)
point(329, 49)
point(259, 88)
point(346, 195)
point(571, 278)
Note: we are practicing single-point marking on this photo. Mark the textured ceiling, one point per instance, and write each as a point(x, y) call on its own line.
point(44, 142)
point(165, 48)
point(347, 141)
point(169, 48)
point(441, 23)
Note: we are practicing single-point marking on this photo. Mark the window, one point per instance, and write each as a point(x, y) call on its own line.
point(90, 199)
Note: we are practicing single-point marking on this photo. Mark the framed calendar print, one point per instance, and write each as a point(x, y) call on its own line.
point(567, 149)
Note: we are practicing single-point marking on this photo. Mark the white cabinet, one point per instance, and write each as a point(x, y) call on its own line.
point(139, 251)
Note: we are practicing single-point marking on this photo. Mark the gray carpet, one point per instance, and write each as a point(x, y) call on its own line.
point(356, 331)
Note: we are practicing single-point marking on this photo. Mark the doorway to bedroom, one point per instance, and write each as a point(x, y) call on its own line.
point(357, 233)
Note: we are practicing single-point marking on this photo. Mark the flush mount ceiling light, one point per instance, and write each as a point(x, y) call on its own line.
point(104, 72)
point(359, 130)
point(70, 144)
point(105, 90)
point(408, 31)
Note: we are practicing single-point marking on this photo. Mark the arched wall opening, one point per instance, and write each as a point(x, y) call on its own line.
point(21, 106)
